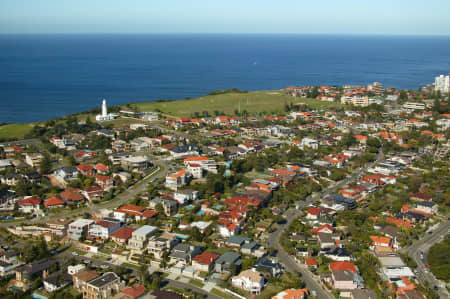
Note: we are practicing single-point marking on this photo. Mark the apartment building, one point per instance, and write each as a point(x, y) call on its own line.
point(139, 238)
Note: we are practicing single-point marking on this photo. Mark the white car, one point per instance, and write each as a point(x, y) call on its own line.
point(74, 253)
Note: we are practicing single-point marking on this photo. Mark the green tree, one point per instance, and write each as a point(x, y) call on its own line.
point(46, 164)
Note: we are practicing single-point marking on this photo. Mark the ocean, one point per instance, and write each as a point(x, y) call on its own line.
point(46, 76)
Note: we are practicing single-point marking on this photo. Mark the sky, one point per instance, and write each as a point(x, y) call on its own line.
point(393, 17)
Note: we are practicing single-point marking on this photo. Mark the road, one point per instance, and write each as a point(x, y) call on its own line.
point(65, 256)
point(274, 239)
point(291, 265)
point(119, 200)
point(423, 245)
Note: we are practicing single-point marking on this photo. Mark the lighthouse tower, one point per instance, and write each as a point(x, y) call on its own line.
point(104, 116)
point(104, 108)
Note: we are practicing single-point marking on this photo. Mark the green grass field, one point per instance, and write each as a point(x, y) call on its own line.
point(14, 130)
point(270, 102)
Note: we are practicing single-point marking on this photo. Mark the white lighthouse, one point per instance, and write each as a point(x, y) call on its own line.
point(104, 108)
point(104, 116)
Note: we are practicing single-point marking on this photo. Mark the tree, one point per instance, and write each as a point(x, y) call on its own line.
point(373, 142)
point(46, 164)
point(349, 139)
point(156, 281)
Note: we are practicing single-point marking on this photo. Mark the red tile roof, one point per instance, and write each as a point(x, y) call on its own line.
point(178, 174)
point(149, 214)
point(343, 266)
point(311, 262)
point(314, 211)
point(134, 291)
point(195, 159)
point(123, 233)
point(71, 196)
point(206, 258)
point(30, 201)
point(101, 167)
point(53, 201)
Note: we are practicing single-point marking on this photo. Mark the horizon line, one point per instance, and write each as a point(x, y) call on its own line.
point(225, 33)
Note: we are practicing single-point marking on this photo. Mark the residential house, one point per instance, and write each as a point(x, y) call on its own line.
point(103, 286)
point(183, 253)
point(122, 235)
point(33, 159)
point(29, 204)
point(79, 228)
point(26, 274)
point(158, 245)
point(177, 180)
point(136, 163)
point(268, 267)
point(140, 237)
point(339, 254)
point(227, 261)
point(105, 182)
point(346, 280)
point(249, 280)
point(56, 281)
point(292, 294)
point(104, 228)
point(204, 261)
point(185, 195)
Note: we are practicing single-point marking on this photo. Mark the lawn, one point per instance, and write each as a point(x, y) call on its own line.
point(221, 294)
point(254, 102)
point(14, 131)
point(196, 283)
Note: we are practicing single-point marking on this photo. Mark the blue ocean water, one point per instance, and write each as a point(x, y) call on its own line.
point(45, 76)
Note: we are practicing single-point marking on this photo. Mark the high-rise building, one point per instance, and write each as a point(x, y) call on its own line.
point(442, 83)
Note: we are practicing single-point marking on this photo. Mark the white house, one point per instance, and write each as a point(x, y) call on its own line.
point(249, 280)
point(309, 142)
point(183, 196)
point(104, 228)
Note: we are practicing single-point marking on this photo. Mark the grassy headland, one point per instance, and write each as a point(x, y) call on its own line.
point(10, 131)
point(270, 102)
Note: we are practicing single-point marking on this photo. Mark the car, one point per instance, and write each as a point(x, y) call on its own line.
point(75, 254)
point(104, 266)
point(87, 262)
point(436, 288)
